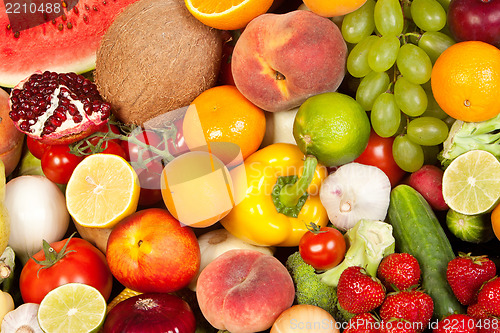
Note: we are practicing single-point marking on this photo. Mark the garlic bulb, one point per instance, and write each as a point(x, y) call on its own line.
point(22, 320)
point(353, 192)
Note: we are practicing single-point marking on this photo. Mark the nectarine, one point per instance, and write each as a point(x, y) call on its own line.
point(244, 291)
point(11, 140)
point(282, 59)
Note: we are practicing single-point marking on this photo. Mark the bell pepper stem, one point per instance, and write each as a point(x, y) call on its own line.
point(291, 193)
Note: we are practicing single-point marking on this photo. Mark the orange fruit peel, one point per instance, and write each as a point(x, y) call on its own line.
point(226, 14)
point(465, 81)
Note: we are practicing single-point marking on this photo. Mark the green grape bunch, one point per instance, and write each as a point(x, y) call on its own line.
point(393, 46)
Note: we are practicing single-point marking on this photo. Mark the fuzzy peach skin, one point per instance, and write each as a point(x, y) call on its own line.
point(244, 291)
point(11, 140)
point(282, 59)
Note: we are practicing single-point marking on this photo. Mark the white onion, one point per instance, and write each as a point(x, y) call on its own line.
point(353, 192)
point(37, 211)
point(304, 318)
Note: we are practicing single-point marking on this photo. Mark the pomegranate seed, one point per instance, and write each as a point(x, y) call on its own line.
point(77, 118)
point(72, 110)
point(24, 126)
point(14, 116)
point(56, 122)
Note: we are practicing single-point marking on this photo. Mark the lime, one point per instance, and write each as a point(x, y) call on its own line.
point(470, 228)
point(72, 307)
point(471, 183)
point(333, 127)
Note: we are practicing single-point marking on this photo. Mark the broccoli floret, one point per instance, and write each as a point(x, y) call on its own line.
point(466, 136)
point(309, 289)
point(345, 314)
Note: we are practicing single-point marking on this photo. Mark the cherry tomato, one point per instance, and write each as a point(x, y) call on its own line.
point(112, 147)
point(178, 146)
point(58, 163)
point(379, 153)
point(225, 72)
point(36, 147)
point(150, 182)
point(133, 150)
point(322, 248)
point(82, 262)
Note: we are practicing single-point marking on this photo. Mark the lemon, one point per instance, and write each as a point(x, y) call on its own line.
point(72, 307)
point(102, 190)
point(333, 127)
point(471, 183)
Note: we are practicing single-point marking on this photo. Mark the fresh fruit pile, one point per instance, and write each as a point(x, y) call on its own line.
point(250, 166)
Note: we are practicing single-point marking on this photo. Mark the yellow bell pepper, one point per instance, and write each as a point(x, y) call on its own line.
point(269, 214)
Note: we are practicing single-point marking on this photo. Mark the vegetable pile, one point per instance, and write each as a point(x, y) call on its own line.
point(303, 178)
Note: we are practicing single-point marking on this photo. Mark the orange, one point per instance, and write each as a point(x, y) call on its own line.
point(495, 221)
point(227, 14)
point(197, 189)
point(222, 118)
point(465, 81)
point(331, 8)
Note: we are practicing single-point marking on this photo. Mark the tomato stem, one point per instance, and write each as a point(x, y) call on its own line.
point(51, 255)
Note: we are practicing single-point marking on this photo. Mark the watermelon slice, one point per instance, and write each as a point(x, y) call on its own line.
point(55, 35)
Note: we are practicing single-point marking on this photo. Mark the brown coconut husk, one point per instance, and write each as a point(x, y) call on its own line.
point(154, 58)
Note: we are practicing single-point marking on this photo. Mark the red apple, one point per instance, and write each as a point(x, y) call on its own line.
point(475, 20)
point(150, 251)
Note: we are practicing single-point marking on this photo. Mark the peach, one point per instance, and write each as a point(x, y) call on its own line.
point(11, 139)
point(244, 291)
point(280, 60)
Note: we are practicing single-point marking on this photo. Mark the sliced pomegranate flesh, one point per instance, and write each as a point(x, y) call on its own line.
point(58, 108)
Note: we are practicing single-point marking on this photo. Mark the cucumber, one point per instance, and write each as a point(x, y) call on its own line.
point(417, 231)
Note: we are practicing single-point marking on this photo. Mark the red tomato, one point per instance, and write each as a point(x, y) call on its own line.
point(111, 147)
point(58, 163)
point(133, 150)
point(82, 263)
point(178, 146)
point(36, 147)
point(379, 153)
point(322, 249)
point(225, 72)
point(150, 182)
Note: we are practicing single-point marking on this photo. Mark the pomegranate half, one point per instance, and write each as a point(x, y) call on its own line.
point(57, 108)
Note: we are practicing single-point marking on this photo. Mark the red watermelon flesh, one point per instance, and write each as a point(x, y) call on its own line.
point(67, 41)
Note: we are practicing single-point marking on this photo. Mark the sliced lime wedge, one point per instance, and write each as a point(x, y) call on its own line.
point(471, 183)
point(72, 307)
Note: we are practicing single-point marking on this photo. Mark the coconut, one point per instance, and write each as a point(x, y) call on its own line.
point(154, 58)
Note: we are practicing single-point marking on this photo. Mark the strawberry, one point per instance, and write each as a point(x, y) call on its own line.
point(477, 312)
point(456, 323)
point(413, 306)
point(397, 325)
point(400, 270)
point(489, 297)
point(357, 292)
point(363, 323)
point(466, 274)
point(425, 306)
point(488, 325)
